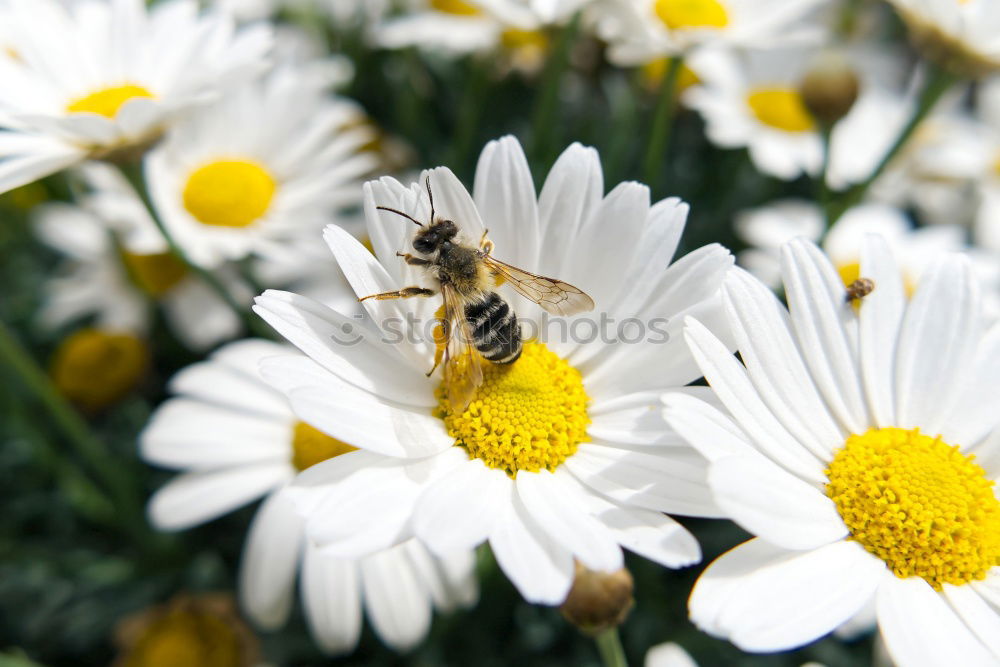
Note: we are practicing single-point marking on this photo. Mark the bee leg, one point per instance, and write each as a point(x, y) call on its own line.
point(411, 260)
point(485, 245)
point(404, 293)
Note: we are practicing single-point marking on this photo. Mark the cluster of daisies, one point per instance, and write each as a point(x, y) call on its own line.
point(857, 440)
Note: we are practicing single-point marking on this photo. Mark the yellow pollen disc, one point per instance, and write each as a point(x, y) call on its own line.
point(108, 101)
point(95, 368)
point(528, 415)
point(154, 274)
point(229, 193)
point(681, 14)
point(919, 504)
point(781, 108)
point(457, 7)
point(311, 446)
point(187, 637)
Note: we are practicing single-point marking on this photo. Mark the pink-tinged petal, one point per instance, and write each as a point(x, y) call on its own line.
point(729, 380)
point(919, 628)
point(774, 504)
point(764, 598)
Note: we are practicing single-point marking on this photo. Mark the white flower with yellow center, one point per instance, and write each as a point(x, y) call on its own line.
point(273, 161)
point(752, 100)
point(560, 455)
point(98, 77)
point(467, 26)
point(862, 450)
point(639, 31)
point(119, 283)
point(769, 227)
point(237, 440)
point(962, 35)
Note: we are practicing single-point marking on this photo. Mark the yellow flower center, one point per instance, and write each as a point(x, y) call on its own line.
point(154, 274)
point(311, 446)
point(528, 415)
point(781, 108)
point(457, 7)
point(107, 101)
point(917, 503)
point(187, 637)
point(681, 14)
point(95, 368)
point(229, 193)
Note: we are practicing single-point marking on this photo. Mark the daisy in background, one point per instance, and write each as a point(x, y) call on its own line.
point(640, 31)
point(862, 450)
point(561, 455)
point(272, 161)
point(961, 36)
point(118, 268)
point(109, 76)
point(462, 27)
point(237, 440)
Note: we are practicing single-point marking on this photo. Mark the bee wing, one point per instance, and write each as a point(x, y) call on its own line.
point(553, 295)
point(463, 370)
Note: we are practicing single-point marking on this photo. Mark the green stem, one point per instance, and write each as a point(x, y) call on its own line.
point(253, 325)
point(663, 122)
point(548, 102)
point(102, 463)
point(937, 84)
point(609, 645)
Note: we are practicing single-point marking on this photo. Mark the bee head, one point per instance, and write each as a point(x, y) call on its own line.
point(431, 239)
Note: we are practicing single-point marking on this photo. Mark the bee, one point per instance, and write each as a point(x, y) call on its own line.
point(859, 289)
point(474, 320)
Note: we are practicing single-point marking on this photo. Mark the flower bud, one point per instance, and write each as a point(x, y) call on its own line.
point(829, 88)
point(598, 601)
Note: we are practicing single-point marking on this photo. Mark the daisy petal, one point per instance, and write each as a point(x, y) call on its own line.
point(977, 614)
point(574, 186)
point(554, 501)
point(705, 427)
point(197, 497)
point(270, 562)
point(773, 504)
point(331, 594)
point(540, 569)
point(459, 511)
point(505, 193)
point(879, 321)
point(919, 628)
point(396, 602)
point(650, 534)
point(765, 599)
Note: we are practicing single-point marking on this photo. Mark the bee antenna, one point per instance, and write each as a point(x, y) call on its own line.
point(405, 215)
point(430, 195)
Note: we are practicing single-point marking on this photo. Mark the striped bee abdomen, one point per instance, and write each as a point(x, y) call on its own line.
point(495, 330)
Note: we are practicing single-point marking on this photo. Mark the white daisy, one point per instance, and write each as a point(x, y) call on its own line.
point(109, 75)
point(963, 35)
point(769, 227)
point(118, 284)
point(988, 181)
point(669, 654)
point(272, 161)
point(568, 456)
point(639, 31)
point(751, 99)
point(853, 452)
point(237, 440)
point(468, 26)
